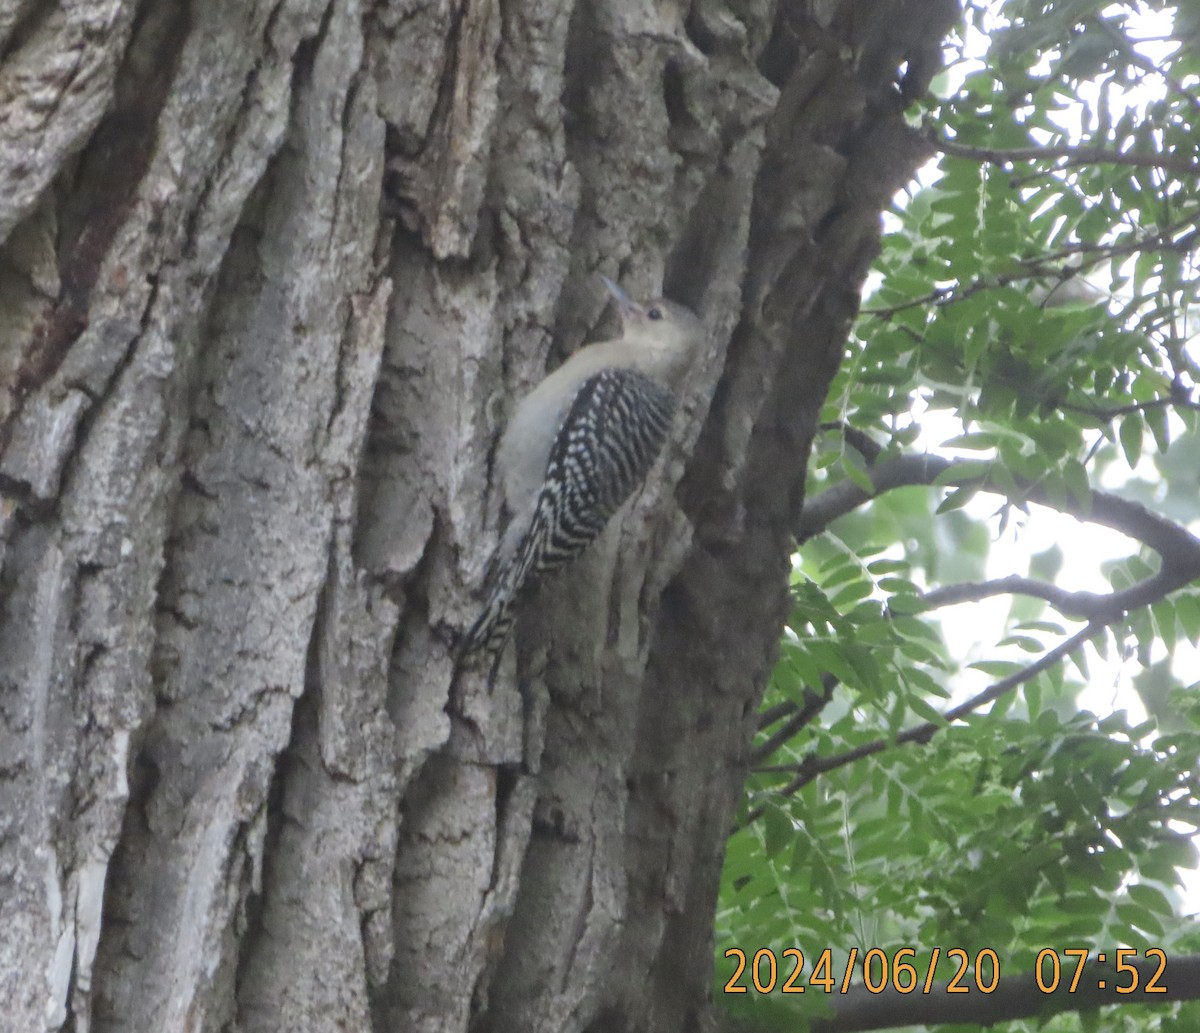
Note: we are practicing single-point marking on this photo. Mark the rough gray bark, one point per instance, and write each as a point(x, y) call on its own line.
point(272, 273)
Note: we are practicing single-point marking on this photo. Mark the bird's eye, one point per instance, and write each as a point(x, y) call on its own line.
point(655, 313)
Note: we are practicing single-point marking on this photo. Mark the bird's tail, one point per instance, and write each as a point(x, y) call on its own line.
point(493, 625)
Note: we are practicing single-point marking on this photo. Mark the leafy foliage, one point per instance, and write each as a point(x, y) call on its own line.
point(1031, 322)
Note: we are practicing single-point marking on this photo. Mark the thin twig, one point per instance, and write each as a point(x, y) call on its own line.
point(812, 765)
point(814, 703)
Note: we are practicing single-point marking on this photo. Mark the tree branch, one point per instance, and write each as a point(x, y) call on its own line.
point(814, 703)
point(859, 440)
point(778, 712)
point(1180, 551)
point(1078, 605)
point(1071, 154)
point(812, 765)
point(1089, 606)
point(1177, 400)
point(1100, 610)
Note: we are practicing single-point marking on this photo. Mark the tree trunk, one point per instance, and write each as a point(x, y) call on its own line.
point(272, 275)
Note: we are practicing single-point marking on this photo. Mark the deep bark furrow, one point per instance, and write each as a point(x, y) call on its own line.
point(259, 536)
point(55, 85)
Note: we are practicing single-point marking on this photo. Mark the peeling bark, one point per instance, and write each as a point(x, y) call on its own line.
point(272, 274)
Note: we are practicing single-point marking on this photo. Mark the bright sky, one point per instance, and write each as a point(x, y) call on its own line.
point(1085, 547)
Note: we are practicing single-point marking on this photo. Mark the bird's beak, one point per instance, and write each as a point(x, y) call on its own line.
point(625, 304)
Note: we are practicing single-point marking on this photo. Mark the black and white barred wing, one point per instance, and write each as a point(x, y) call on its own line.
point(612, 434)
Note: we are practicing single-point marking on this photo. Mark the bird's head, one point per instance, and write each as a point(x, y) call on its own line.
point(661, 323)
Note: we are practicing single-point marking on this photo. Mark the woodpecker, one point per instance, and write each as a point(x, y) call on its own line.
point(578, 446)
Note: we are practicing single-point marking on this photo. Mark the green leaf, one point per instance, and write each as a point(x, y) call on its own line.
point(778, 828)
point(858, 476)
point(886, 566)
point(1132, 434)
point(1160, 427)
point(852, 593)
point(1187, 609)
point(926, 712)
point(996, 668)
point(1076, 480)
point(956, 499)
point(1032, 691)
point(1151, 899)
point(964, 470)
point(979, 441)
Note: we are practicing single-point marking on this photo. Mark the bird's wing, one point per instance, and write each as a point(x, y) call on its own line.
point(612, 433)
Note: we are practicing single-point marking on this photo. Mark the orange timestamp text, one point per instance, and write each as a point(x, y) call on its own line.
point(1052, 973)
point(906, 971)
point(900, 969)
